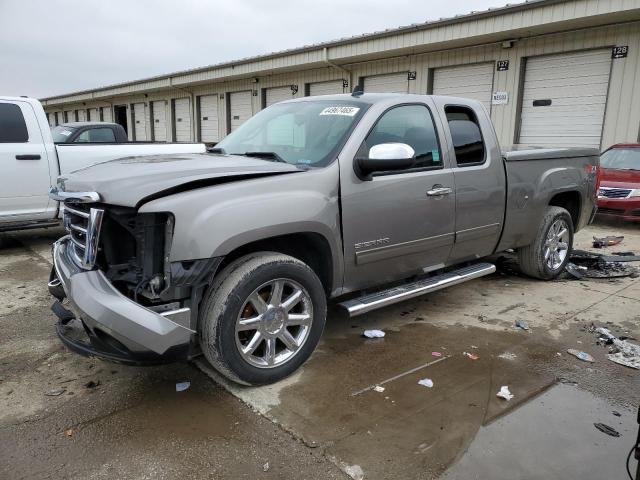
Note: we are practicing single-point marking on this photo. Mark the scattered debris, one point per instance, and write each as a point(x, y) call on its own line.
point(373, 333)
point(616, 413)
point(474, 347)
point(585, 264)
point(508, 356)
point(182, 386)
point(55, 393)
point(378, 389)
point(92, 384)
point(505, 393)
point(354, 471)
point(426, 382)
point(621, 352)
point(265, 467)
point(607, 429)
point(472, 356)
point(436, 354)
point(69, 433)
point(522, 324)
point(584, 356)
point(608, 241)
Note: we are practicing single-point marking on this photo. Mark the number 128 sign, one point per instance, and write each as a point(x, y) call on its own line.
point(619, 52)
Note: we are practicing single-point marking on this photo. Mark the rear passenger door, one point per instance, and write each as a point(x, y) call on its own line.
point(25, 179)
point(396, 223)
point(479, 181)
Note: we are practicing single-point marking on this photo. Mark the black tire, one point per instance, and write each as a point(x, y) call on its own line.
point(228, 295)
point(532, 257)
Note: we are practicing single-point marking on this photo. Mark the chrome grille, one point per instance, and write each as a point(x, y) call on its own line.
point(608, 192)
point(83, 225)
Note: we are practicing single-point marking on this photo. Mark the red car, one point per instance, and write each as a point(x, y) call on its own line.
point(619, 193)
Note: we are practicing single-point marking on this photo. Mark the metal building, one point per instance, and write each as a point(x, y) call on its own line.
point(551, 72)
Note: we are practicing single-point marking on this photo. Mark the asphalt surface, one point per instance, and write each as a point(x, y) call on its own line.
point(65, 416)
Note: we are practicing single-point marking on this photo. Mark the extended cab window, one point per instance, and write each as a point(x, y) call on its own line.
point(465, 133)
point(96, 135)
point(410, 124)
point(12, 126)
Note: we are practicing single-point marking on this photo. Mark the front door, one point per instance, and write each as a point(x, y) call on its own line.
point(25, 179)
point(402, 222)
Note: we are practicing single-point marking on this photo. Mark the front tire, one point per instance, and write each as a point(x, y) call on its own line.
point(549, 253)
point(262, 318)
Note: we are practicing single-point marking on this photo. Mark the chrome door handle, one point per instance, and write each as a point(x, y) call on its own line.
point(438, 191)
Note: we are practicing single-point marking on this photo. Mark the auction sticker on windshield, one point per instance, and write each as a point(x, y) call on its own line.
point(347, 111)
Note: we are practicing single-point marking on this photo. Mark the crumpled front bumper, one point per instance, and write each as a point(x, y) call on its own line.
point(118, 328)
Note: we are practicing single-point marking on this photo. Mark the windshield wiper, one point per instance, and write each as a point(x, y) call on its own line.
point(265, 155)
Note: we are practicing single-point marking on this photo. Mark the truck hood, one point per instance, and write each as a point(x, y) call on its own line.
point(132, 181)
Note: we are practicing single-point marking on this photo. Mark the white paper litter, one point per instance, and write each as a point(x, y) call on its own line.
point(628, 354)
point(505, 393)
point(426, 382)
point(378, 389)
point(373, 333)
point(354, 471)
point(182, 386)
point(508, 356)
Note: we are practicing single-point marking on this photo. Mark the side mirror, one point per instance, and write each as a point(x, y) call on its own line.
point(387, 156)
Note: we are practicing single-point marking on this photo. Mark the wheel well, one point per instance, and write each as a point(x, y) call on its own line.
point(308, 247)
point(570, 201)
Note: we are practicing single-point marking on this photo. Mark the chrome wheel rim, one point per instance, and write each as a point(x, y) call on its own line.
point(274, 323)
point(556, 246)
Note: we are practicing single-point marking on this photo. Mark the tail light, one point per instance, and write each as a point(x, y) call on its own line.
point(595, 169)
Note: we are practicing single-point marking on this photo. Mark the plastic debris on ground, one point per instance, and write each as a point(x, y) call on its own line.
point(436, 354)
point(607, 429)
point(621, 351)
point(373, 333)
point(265, 467)
point(472, 356)
point(609, 241)
point(182, 386)
point(584, 356)
point(522, 324)
point(55, 393)
point(378, 389)
point(426, 382)
point(508, 356)
point(354, 471)
point(505, 393)
point(583, 264)
point(69, 433)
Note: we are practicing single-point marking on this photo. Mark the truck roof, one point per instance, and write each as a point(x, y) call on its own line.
point(372, 98)
point(85, 124)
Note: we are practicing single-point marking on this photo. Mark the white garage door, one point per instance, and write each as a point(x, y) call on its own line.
point(209, 118)
point(69, 116)
point(94, 115)
point(326, 88)
point(391, 83)
point(106, 114)
point(82, 115)
point(467, 81)
point(140, 122)
point(278, 94)
point(182, 117)
point(240, 108)
point(52, 120)
point(159, 121)
point(564, 99)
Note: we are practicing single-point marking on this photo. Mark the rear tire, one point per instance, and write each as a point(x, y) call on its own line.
point(262, 318)
point(547, 256)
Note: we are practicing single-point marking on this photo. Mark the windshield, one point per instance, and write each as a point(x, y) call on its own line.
point(61, 133)
point(621, 159)
point(303, 133)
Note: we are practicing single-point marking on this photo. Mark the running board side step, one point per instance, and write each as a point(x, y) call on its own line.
point(372, 301)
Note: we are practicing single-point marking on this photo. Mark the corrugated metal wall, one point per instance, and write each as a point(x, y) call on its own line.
point(622, 117)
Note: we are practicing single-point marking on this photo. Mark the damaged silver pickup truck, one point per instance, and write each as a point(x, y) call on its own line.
point(373, 198)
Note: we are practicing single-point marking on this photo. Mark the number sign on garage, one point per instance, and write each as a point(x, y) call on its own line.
point(159, 120)
point(390, 83)
point(182, 119)
point(468, 81)
point(240, 109)
point(564, 99)
point(209, 131)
